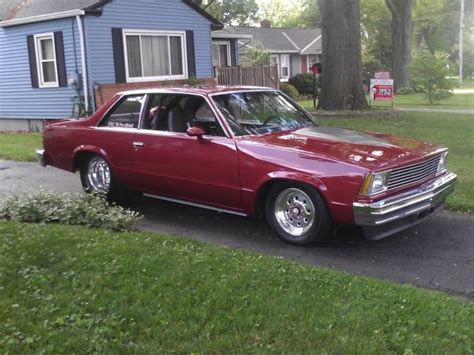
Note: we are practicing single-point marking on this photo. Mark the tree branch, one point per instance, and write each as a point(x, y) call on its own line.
point(391, 6)
point(209, 4)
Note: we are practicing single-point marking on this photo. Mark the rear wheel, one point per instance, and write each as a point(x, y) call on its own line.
point(297, 213)
point(97, 177)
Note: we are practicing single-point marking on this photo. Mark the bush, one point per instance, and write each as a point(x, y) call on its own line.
point(429, 70)
point(290, 90)
point(406, 91)
point(75, 209)
point(304, 83)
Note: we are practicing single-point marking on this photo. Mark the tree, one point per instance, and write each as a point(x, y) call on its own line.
point(296, 13)
point(429, 73)
point(402, 31)
point(341, 86)
point(256, 55)
point(232, 12)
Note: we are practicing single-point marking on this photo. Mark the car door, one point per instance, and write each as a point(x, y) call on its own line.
point(115, 133)
point(172, 164)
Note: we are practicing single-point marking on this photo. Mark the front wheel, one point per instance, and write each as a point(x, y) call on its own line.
point(297, 213)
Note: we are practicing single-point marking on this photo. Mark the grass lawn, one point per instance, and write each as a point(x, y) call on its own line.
point(458, 101)
point(70, 290)
point(19, 146)
point(452, 130)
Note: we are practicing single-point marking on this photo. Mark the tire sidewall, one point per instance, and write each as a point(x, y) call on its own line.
point(322, 223)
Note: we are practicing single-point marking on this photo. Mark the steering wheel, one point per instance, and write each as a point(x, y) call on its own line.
point(271, 118)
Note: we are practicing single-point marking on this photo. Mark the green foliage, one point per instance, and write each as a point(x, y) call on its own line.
point(429, 71)
point(296, 13)
point(256, 55)
point(290, 90)
point(235, 13)
point(70, 290)
point(405, 91)
point(304, 83)
point(76, 209)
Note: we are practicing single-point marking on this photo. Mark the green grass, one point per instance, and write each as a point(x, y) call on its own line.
point(458, 101)
point(452, 130)
point(75, 290)
point(19, 146)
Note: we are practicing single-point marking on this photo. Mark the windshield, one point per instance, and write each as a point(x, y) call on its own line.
point(259, 112)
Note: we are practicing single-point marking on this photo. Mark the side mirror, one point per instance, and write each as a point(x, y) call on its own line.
point(195, 132)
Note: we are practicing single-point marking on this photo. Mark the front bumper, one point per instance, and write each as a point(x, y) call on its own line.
point(40, 157)
point(394, 214)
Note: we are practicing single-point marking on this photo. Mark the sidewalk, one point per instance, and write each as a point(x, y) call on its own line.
point(437, 110)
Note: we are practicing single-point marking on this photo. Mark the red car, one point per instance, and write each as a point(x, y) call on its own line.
point(250, 151)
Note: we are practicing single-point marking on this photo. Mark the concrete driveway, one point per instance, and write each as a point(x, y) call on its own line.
point(437, 254)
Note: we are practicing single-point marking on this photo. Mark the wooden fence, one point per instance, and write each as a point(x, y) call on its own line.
point(252, 76)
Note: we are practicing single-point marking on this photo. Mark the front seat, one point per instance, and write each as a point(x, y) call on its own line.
point(178, 120)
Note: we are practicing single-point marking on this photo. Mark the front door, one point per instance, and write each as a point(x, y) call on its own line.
point(169, 163)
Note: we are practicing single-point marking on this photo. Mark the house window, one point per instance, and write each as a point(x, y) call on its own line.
point(154, 55)
point(46, 61)
point(221, 54)
point(285, 66)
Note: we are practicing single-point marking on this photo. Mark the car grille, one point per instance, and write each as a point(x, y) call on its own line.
point(413, 173)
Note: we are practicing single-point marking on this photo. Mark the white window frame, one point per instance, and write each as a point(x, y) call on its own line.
point(140, 33)
point(227, 44)
point(40, 61)
point(285, 78)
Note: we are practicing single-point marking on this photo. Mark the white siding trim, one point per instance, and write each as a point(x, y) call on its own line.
point(47, 17)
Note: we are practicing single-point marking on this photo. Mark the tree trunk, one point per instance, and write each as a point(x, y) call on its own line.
point(402, 30)
point(341, 78)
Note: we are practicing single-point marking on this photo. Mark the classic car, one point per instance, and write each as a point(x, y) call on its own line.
point(251, 151)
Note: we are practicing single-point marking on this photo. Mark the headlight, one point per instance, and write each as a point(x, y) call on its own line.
point(442, 162)
point(375, 184)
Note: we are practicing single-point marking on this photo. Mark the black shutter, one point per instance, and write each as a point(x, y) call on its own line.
point(60, 59)
point(33, 66)
point(233, 53)
point(191, 55)
point(119, 59)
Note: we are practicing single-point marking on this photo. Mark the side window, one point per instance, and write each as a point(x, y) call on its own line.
point(178, 112)
point(126, 114)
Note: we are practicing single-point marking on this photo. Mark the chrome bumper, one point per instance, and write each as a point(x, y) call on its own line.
point(383, 218)
point(40, 157)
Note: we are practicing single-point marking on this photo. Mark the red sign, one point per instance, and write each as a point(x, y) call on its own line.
point(383, 74)
point(382, 92)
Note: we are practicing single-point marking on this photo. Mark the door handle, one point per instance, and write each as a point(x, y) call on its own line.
point(138, 144)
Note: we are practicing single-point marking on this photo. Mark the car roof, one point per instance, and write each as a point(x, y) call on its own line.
point(199, 90)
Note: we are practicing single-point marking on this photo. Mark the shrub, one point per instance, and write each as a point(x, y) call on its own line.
point(74, 209)
point(428, 70)
point(256, 55)
point(290, 90)
point(406, 91)
point(304, 83)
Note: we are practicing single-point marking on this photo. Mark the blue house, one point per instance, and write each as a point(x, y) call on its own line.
point(59, 59)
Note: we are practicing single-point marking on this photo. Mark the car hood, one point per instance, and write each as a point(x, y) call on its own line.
point(373, 151)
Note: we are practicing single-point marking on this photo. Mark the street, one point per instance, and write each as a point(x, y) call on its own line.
point(437, 254)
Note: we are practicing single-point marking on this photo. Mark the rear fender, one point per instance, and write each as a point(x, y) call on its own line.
point(83, 150)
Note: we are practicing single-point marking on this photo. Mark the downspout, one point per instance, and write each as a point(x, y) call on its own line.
point(84, 64)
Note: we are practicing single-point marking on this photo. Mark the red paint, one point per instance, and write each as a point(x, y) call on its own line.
point(228, 172)
point(304, 64)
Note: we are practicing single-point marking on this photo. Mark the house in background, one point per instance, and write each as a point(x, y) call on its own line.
point(57, 56)
point(293, 50)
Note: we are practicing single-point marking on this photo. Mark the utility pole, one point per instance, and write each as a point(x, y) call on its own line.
point(461, 42)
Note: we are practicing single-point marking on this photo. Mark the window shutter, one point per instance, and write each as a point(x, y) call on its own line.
point(119, 59)
point(190, 53)
point(233, 53)
point(60, 59)
point(32, 57)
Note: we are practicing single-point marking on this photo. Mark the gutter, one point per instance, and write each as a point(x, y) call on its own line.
point(85, 85)
point(47, 17)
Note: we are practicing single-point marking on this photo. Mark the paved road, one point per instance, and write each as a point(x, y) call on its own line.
point(437, 254)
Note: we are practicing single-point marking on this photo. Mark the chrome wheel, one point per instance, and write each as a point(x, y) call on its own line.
point(294, 211)
point(99, 177)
